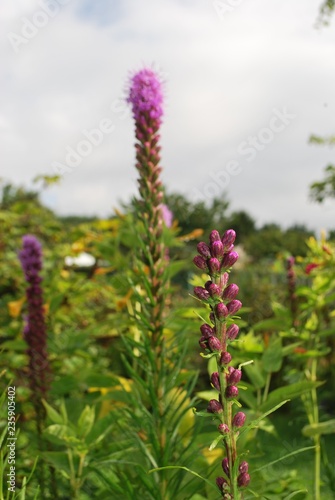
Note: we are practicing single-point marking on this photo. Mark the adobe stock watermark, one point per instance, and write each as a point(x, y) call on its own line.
point(30, 27)
point(93, 138)
point(247, 150)
point(223, 7)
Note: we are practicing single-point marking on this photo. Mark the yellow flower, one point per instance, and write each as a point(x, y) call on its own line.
point(15, 306)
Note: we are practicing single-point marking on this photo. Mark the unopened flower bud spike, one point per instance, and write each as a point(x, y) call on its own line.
point(217, 258)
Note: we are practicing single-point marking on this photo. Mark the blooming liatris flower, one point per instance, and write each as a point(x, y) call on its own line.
point(217, 258)
point(146, 96)
point(35, 329)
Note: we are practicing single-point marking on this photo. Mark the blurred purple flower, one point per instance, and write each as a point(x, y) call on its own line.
point(35, 329)
point(167, 215)
point(145, 95)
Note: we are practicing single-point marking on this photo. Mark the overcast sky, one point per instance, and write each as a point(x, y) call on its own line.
point(246, 84)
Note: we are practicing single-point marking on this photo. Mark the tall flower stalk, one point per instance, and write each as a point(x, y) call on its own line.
point(291, 285)
point(216, 259)
point(146, 99)
point(151, 367)
point(35, 334)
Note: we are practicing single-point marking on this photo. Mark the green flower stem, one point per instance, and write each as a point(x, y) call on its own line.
point(227, 416)
point(315, 416)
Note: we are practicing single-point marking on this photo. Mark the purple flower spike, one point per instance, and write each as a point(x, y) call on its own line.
point(31, 257)
point(221, 483)
point(243, 467)
point(214, 344)
point(225, 358)
point(243, 479)
point(218, 257)
point(231, 392)
point(145, 96)
point(232, 331)
point(234, 377)
point(229, 259)
point(239, 419)
point(215, 380)
point(217, 249)
point(223, 429)
point(225, 466)
point(221, 311)
point(228, 238)
point(204, 250)
point(230, 292)
point(224, 278)
point(167, 215)
point(34, 332)
point(234, 306)
point(206, 330)
point(200, 262)
point(214, 265)
point(201, 293)
point(214, 236)
point(214, 406)
point(214, 291)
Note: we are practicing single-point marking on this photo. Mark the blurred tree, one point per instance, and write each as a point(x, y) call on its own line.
point(266, 242)
point(294, 240)
point(9, 195)
point(326, 10)
point(271, 240)
point(243, 224)
point(192, 216)
point(320, 190)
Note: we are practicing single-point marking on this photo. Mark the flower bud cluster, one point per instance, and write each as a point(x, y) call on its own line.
point(243, 477)
point(216, 259)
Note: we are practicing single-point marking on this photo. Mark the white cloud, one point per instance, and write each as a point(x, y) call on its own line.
point(223, 78)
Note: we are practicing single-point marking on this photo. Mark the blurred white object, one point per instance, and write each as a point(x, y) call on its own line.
point(83, 260)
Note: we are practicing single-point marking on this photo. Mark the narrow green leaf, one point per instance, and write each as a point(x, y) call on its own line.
point(254, 372)
point(288, 392)
point(86, 421)
point(202, 413)
point(294, 493)
point(296, 452)
point(256, 422)
point(215, 442)
point(187, 470)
